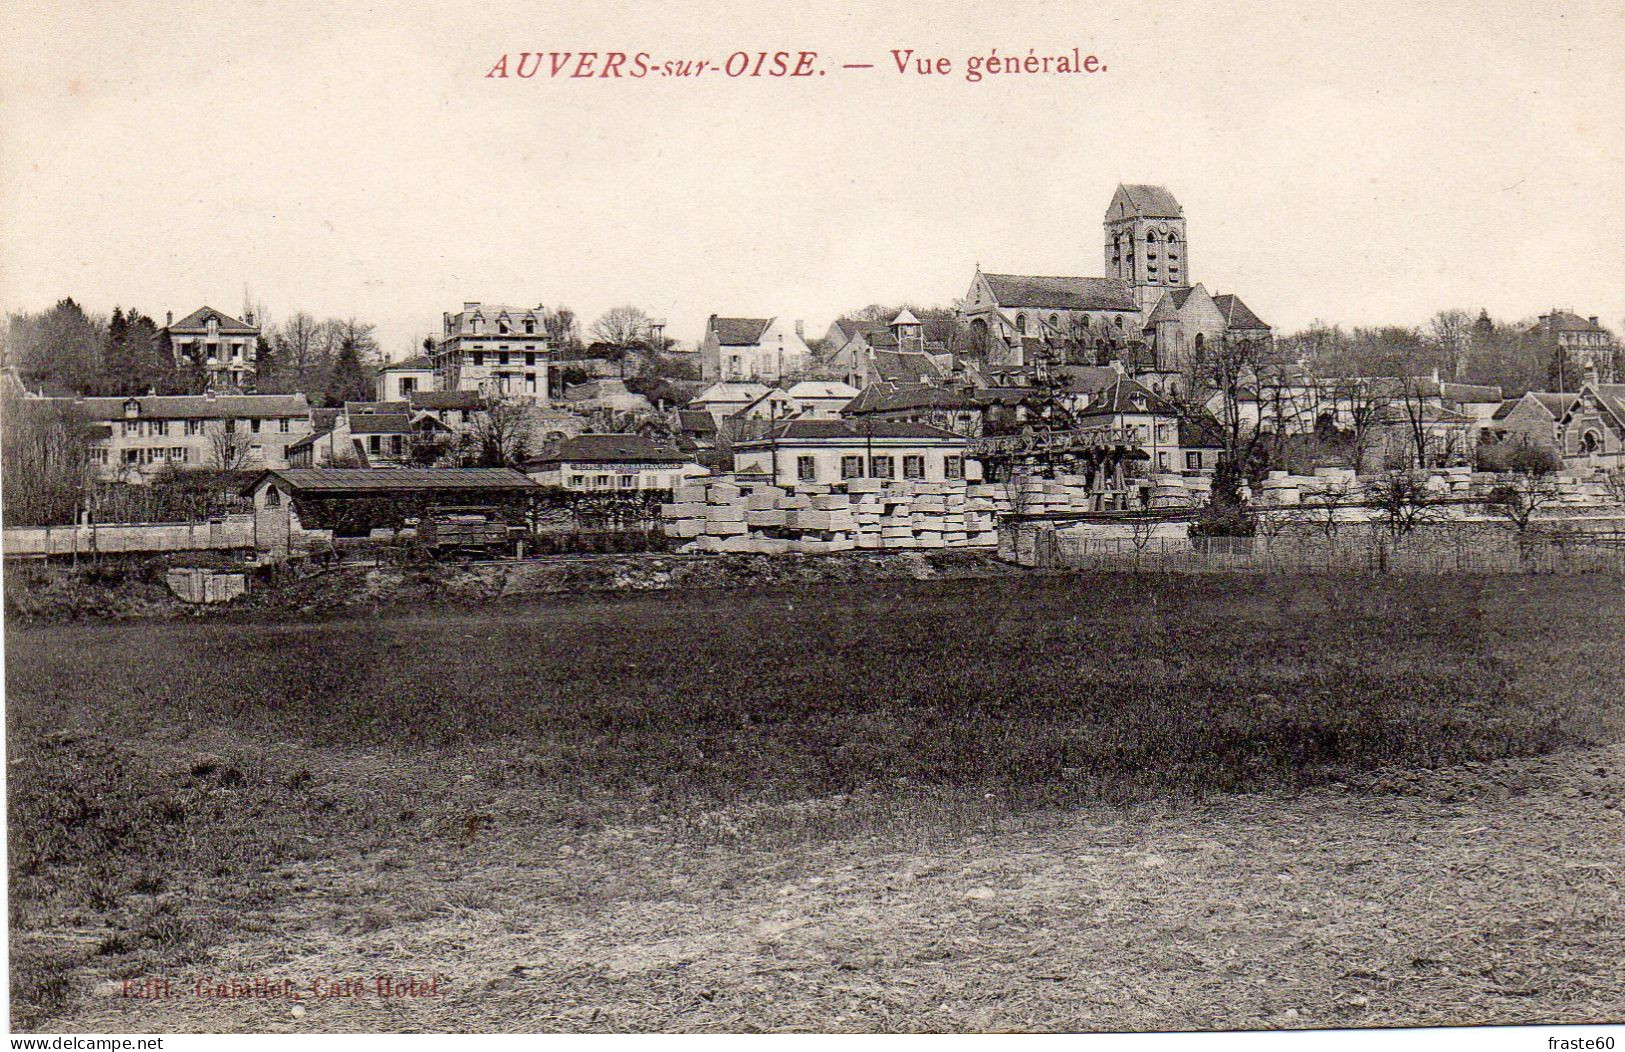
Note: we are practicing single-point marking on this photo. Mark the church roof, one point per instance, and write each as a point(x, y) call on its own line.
point(1060, 293)
point(905, 317)
point(1152, 201)
point(1237, 315)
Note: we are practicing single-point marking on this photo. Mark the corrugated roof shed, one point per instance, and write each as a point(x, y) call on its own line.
point(341, 481)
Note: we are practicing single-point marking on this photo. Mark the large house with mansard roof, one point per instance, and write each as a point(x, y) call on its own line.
point(1145, 313)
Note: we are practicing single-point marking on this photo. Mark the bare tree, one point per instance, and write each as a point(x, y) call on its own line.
point(500, 437)
point(228, 450)
point(1402, 503)
point(1529, 484)
point(622, 327)
point(1451, 332)
point(45, 459)
point(1221, 373)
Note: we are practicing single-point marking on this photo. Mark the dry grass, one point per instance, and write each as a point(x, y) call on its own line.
point(469, 796)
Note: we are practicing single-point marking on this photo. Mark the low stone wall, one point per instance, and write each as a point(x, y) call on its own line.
point(232, 531)
point(725, 513)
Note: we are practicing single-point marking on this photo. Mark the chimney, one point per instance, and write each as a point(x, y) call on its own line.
point(169, 318)
point(248, 316)
point(1593, 319)
point(471, 306)
point(1591, 372)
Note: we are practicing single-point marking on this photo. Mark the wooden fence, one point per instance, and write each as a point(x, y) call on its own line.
point(1373, 554)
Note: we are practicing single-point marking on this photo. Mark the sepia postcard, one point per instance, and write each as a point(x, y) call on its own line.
point(1037, 518)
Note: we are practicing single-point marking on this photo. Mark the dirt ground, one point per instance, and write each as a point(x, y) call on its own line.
point(1491, 893)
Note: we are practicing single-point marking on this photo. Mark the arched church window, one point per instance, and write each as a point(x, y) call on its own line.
point(1021, 324)
point(1119, 321)
point(1055, 321)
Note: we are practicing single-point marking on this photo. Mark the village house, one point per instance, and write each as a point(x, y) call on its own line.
point(950, 409)
point(398, 381)
point(1591, 431)
point(723, 400)
point(774, 404)
point(821, 399)
point(370, 435)
point(860, 353)
point(501, 352)
point(221, 346)
point(132, 439)
point(1588, 347)
point(458, 410)
point(1152, 420)
point(624, 463)
point(833, 451)
point(761, 349)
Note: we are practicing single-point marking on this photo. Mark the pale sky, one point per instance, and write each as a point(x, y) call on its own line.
point(1363, 165)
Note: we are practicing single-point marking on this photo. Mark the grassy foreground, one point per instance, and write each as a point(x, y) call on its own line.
point(166, 776)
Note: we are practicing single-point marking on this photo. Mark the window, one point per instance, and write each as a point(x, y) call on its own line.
point(285, 424)
point(273, 497)
point(602, 482)
point(409, 384)
point(852, 467)
point(132, 428)
point(502, 328)
point(1021, 324)
point(231, 427)
point(254, 425)
point(806, 469)
point(132, 456)
point(1162, 460)
point(953, 467)
point(530, 357)
point(578, 481)
point(913, 467)
point(178, 454)
point(194, 427)
point(530, 330)
point(502, 357)
point(1193, 461)
point(881, 467)
point(629, 481)
point(479, 357)
point(160, 428)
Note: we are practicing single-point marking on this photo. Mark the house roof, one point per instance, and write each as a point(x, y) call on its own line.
point(1237, 315)
point(462, 322)
point(323, 419)
point(1506, 409)
point(1612, 396)
point(1567, 321)
point(1554, 402)
point(850, 327)
point(194, 407)
point(887, 397)
point(1060, 293)
point(1196, 432)
point(823, 389)
point(358, 408)
point(419, 364)
point(380, 424)
point(1121, 397)
point(344, 481)
point(730, 392)
point(905, 365)
point(1078, 378)
point(1470, 392)
point(905, 317)
point(1148, 200)
point(847, 429)
point(445, 400)
point(198, 321)
point(609, 449)
point(739, 332)
point(697, 421)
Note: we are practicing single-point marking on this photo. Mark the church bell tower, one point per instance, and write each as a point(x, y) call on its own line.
point(1145, 243)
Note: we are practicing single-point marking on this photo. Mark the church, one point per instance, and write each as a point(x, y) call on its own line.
point(1145, 314)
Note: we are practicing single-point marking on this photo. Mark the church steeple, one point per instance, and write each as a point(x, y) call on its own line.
point(1145, 242)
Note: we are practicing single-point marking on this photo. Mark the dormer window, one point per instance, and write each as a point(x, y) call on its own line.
point(530, 328)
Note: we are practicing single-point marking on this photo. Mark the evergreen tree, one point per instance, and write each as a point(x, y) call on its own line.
point(348, 381)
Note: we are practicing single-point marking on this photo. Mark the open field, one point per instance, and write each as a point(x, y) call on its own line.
point(1133, 802)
